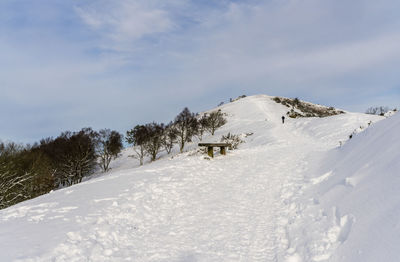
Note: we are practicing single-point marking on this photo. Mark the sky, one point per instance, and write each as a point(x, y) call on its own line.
point(65, 65)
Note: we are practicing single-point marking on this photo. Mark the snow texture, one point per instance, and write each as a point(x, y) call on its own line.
point(289, 193)
point(363, 183)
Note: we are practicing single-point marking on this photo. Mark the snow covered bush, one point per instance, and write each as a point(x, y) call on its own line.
point(379, 110)
point(233, 140)
point(236, 99)
point(294, 114)
point(277, 99)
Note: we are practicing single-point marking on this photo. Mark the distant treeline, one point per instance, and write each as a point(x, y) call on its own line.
point(28, 171)
point(379, 110)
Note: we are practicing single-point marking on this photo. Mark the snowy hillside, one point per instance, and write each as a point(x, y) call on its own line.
point(361, 191)
point(272, 199)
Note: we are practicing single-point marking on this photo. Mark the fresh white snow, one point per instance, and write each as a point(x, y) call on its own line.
point(289, 193)
point(362, 193)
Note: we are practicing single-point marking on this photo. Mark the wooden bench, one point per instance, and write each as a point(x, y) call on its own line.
point(210, 147)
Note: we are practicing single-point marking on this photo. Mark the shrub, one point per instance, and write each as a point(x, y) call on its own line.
point(277, 99)
point(379, 110)
point(305, 109)
point(233, 140)
point(294, 114)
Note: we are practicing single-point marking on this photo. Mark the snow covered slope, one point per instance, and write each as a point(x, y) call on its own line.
point(251, 205)
point(362, 182)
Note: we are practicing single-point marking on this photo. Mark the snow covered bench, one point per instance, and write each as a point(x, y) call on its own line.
point(210, 147)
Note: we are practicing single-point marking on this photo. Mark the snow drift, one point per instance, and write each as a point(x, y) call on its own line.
point(363, 182)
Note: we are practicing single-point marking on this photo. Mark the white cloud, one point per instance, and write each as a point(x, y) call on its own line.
point(296, 45)
point(291, 43)
point(121, 23)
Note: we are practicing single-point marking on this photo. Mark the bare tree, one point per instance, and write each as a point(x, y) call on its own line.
point(186, 125)
point(13, 186)
point(216, 119)
point(25, 173)
point(80, 157)
point(203, 125)
point(10, 148)
point(379, 110)
point(138, 138)
point(109, 145)
point(371, 110)
point(154, 139)
point(170, 137)
point(73, 155)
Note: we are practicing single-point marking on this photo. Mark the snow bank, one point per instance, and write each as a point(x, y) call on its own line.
point(360, 189)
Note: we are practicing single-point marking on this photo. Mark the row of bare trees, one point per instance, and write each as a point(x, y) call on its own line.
point(77, 154)
point(29, 171)
point(150, 139)
point(32, 170)
point(379, 110)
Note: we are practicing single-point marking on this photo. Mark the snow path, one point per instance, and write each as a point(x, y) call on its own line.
point(196, 211)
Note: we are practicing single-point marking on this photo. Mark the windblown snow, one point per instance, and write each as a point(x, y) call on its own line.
point(289, 193)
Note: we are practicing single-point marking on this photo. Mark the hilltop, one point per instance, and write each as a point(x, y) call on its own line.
point(269, 200)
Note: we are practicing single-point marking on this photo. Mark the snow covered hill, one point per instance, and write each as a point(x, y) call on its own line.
point(360, 187)
point(285, 195)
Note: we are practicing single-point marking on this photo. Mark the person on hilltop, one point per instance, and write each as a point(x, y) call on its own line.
point(283, 119)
